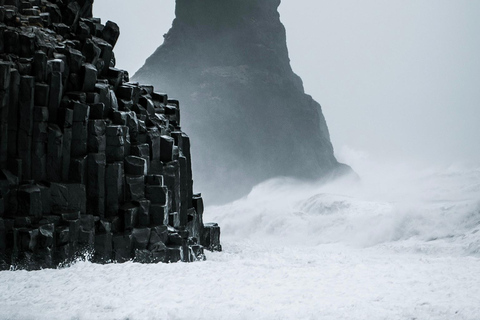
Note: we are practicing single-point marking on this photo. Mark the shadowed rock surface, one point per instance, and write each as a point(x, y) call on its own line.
point(227, 61)
point(90, 163)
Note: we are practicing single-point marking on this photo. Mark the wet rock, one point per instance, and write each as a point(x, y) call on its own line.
point(162, 232)
point(87, 221)
point(46, 235)
point(174, 219)
point(134, 188)
point(41, 94)
point(154, 180)
point(97, 110)
point(26, 44)
point(86, 239)
point(158, 215)
point(97, 140)
point(65, 118)
point(91, 52)
point(74, 231)
point(96, 164)
point(23, 222)
point(46, 199)
point(26, 239)
point(160, 99)
point(103, 248)
point(122, 248)
point(135, 166)
point(81, 112)
point(142, 256)
point(158, 253)
point(40, 66)
point(29, 201)
point(211, 237)
point(25, 105)
point(40, 143)
point(111, 32)
point(194, 224)
point(153, 140)
point(83, 31)
point(197, 253)
point(114, 188)
point(129, 214)
point(90, 77)
point(68, 196)
point(141, 238)
point(55, 96)
point(3, 236)
point(54, 153)
point(143, 213)
point(157, 194)
point(62, 235)
point(166, 148)
point(105, 57)
point(155, 242)
point(171, 178)
point(78, 170)
point(62, 255)
point(78, 97)
point(13, 116)
point(115, 150)
point(76, 60)
point(126, 139)
point(11, 37)
point(103, 226)
point(198, 203)
point(96, 183)
point(174, 253)
point(125, 92)
point(43, 258)
point(142, 151)
point(5, 70)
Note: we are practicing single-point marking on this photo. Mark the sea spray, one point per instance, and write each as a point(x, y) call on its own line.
point(390, 203)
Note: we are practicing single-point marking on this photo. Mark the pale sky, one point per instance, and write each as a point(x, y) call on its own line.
point(396, 79)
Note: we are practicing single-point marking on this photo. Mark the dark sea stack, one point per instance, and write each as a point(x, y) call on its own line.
point(91, 164)
point(227, 61)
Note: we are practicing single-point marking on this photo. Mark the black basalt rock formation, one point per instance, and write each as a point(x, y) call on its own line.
point(227, 60)
point(89, 161)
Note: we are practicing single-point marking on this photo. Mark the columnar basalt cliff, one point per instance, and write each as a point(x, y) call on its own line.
point(89, 162)
point(228, 62)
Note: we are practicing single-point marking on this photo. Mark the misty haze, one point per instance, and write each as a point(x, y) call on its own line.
point(336, 144)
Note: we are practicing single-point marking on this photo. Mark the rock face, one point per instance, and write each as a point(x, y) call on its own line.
point(228, 62)
point(89, 162)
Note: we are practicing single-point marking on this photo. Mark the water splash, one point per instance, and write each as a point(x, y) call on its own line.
point(392, 202)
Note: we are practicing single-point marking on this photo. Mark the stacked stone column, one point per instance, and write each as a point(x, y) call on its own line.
point(89, 162)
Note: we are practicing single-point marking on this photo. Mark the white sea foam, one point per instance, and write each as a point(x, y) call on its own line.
point(390, 202)
point(400, 243)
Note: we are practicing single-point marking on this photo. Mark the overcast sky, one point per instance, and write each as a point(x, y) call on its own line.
point(396, 79)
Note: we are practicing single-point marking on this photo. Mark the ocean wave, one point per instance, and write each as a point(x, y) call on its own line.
point(388, 205)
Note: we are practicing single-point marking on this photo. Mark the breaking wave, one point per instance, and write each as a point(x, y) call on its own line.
point(394, 205)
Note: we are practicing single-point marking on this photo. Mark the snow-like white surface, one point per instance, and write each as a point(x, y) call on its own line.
point(400, 244)
point(248, 281)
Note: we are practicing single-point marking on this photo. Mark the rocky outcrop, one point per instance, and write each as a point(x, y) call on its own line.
point(89, 162)
point(227, 60)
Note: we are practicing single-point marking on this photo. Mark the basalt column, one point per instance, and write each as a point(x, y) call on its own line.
point(90, 163)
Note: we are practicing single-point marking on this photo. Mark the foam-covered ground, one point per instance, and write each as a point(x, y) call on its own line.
point(400, 243)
